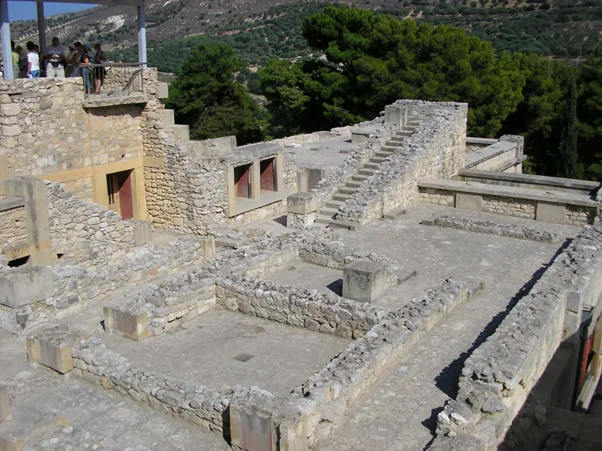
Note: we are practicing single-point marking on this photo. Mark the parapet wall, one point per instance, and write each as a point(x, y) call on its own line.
point(435, 149)
point(498, 376)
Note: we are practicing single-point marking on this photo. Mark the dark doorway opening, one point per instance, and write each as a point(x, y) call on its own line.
point(119, 190)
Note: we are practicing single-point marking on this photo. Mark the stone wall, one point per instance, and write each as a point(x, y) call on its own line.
point(499, 375)
point(12, 227)
point(520, 208)
point(47, 129)
point(435, 150)
point(88, 234)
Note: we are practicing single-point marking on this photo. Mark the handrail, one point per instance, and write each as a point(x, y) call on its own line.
point(111, 64)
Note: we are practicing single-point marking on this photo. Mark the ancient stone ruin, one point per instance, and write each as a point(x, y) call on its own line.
point(390, 285)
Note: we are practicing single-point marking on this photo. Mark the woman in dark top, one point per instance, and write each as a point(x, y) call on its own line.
point(100, 57)
point(85, 71)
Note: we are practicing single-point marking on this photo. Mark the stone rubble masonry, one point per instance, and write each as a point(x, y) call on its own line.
point(499, 375)
point(510, 230)
point(435, 149)
point(13, 233)
point(164, 307)
point(25, 285)
point(194, 403)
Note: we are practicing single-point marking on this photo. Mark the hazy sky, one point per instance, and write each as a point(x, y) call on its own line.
point(28, 10)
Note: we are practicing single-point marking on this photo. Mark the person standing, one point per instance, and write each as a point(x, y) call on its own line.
point(100, 57)
point(22, 62)
point(85, 70)
point(15, 58)
point(55, 66)
point(33, 61)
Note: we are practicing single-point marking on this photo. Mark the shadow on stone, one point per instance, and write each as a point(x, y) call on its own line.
point(281, 220)
point(336, 287)
point(447, 379)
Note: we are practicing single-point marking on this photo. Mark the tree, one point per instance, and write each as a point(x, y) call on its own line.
point(567, 149)
point(206, 97)
point(589, 111)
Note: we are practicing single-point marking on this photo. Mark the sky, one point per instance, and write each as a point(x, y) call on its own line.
point(28, 10)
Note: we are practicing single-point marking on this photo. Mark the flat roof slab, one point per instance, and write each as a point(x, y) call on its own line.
point(212, 351)
point(323, 154)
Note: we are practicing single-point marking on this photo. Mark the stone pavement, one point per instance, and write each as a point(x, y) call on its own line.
point(399, 412)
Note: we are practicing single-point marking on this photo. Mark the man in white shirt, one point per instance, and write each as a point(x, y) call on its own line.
point(33, 61)
point(54, 55)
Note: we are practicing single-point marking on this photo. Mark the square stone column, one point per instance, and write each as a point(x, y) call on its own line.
point(364, 281)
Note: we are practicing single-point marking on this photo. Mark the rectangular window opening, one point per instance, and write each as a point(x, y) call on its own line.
point(242, 181)
point(267, 169)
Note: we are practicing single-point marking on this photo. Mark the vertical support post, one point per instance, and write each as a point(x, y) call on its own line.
point(141, 34)
point(41, 28)
point(5, 36)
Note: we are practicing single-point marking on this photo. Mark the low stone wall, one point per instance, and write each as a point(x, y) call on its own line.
point(509, 230)
point(194, 403)
point(498, 376)
point(437, 197)
point(435, 149)
point(509, 206)
point(157, 309)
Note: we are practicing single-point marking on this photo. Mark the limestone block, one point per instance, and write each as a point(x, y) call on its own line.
point(364, 281)
point(5, 410)
point(143, 232)
point(25, 285)
point(302, 203)
point(52, 348)
point(126, 324)
point(251, 428)
point(550, 212)
point(470, 202)
point(162, 90)
point(208, 248)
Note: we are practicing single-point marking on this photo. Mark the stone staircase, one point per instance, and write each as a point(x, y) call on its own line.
point(372, 166)
point(179, 132)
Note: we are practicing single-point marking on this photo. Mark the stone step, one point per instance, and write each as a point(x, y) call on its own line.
point(388, 149)
point(372, 165)
point(343, 197)
point(392, 143)
point(367, 171)
point(180, 132)
point(167, 117)
point(347, 191)
point(377, 160)
point(322, 220)
point(328, 212)
point(334, 204)
point(353, 184)
point(383, 153)
point(359, 178)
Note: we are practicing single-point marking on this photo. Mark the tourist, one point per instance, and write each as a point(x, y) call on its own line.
point(33, 61)
point(75, 59)
point(15, 59)
point(70, 60)
point(22, 63)
point(85, 69)
point(100, 57)
point(55, 60)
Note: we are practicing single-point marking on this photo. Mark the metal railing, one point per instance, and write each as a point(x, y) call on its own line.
point(112, 79)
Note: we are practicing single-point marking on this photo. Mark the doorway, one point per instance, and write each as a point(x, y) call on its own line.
point(243, 181)
point(119, 190)
point(267, 170)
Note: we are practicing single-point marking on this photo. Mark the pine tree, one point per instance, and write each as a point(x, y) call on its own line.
point(567, 149)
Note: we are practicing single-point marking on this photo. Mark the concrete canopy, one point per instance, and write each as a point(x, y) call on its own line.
point(5, 27)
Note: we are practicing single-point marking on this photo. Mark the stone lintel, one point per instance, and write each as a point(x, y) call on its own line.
point(52, 348)
point(302, 203)
point(129, 325)
point(25, 285)
point(364, 281)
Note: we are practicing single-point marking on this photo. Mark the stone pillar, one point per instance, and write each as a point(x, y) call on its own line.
point(52, 348)
point(33, 192)
point(364, 281)
point(6, 47)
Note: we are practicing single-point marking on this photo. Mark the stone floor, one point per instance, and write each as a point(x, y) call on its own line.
point(298, 273)
point(398, 413)
point(205, 352)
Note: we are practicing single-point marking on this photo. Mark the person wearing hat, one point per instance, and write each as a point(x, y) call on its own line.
point(71, 53)
point(75, 58)
point(55, 59)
